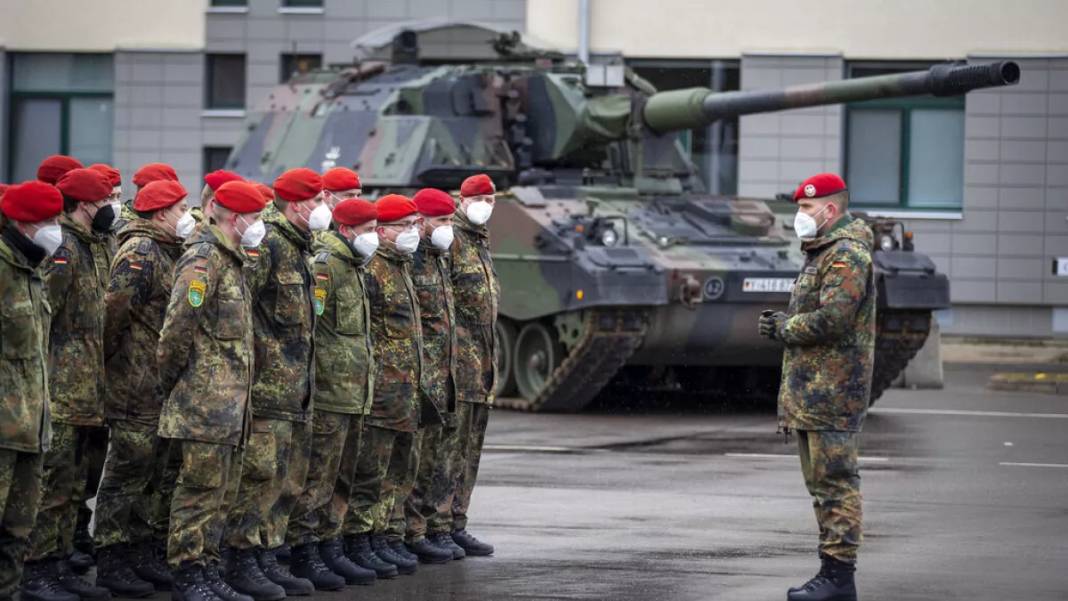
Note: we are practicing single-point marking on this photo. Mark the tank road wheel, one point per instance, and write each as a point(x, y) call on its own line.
point(506, 333)
point(536, 358)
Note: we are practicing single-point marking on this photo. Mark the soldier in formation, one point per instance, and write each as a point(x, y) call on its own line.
point(293, 379)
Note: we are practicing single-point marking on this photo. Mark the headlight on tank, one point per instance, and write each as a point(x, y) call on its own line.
point(609, 237)
point(886, 242)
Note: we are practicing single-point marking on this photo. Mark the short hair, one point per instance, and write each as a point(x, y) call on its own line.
point(146, 214)
point(69, 204)
point(840, 200)
point(280, 204)
point(206, 194)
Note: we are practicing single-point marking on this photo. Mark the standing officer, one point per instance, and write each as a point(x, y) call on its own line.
point(389, 438)
point(343, 388)
point(29, 234)
point(341, 184)
point(829, 336)
point(56, 166)
point(76, 277)
point(275, 464)
point(477, 296)
point(142, 273)
point(431, 474)
point(205, 360)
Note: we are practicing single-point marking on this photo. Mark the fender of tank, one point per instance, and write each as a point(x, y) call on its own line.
point(613, 261)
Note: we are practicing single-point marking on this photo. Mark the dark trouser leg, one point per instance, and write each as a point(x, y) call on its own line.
point(128, 468)
point(199, 501)
point(266, 459)
point(311, 522)
point(294, 478)
point(366, 494)
point(96, 447)
point(829, 465)
point(156, 505)
point(473, 418)
point(63, 482)
point(404, 483)
point(20, 493)
point(431, 497)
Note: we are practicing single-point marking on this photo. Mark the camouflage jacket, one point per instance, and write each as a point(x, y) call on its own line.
point(25, 423)
point(477, 293)
point(830, 333)
point(205, 346)
point(281, 286)
point(77, 277)
point(142, 273)
point(397, 341)
point(344, 369)
point(437, 313)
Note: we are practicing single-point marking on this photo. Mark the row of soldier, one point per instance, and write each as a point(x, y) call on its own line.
point(281, 368)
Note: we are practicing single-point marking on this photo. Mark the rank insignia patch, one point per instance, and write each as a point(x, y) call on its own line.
point(197, 288)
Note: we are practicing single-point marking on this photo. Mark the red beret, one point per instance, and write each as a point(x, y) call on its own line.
point(394, 207)
point(434, 203)
point(220, 177)
point(477, 185)
point(154, 172)
point(84, 185)
point(266, 191)
point(818, 186)
point(113, 175)
point(297, 185)
point(53, 168)
point(354, 211)
point(158, 195)
point(240, 197)
point(341, 178)
point(31, 202)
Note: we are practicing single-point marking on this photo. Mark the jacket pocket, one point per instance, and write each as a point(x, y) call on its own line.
point(290, 304)
point(349, 310)
point(18, 332)
point(399, 320)
point(230, 319)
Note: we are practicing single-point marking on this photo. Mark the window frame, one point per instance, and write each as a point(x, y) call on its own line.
point(205, 150)
point(64, 99)
point(209, 76)
point(284, 77)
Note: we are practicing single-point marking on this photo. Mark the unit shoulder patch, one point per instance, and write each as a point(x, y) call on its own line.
point(320, 300)
point(195, 295)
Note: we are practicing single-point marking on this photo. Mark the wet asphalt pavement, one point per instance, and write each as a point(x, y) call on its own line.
point(966, 498)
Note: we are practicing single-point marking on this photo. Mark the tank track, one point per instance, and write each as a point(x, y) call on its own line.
point(610, 336)
point(899, 336)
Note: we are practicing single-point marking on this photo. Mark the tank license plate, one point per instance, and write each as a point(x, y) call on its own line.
point(767, 285)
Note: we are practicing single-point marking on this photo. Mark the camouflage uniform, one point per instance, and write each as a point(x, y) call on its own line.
point(205, 357)
point(829, 336)
point(433, 473)
point(474, 283)
point(76, 277)
point(388, 438)
point(275, 464)
point(142, 273)
point(25, 424)
point(344, 385)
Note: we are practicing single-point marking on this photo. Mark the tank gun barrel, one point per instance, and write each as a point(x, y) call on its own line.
point(696, 107)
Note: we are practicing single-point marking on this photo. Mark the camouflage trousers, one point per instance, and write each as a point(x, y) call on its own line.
point(133, 499)
point(829, 465)
point(274, 467)
point(383, 462)
point(66, 472)
point(345, 486)
point(401, 483)
point(464, 449)
point(312, 519)
point(205, 492)
point(432, 494)
point(20, 492)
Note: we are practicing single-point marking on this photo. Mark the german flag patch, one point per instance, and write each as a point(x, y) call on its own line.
point(252, 252)
point(839, 264)
point(136, 265)
point(322, 277)
point(60, 260)
point(200, 269)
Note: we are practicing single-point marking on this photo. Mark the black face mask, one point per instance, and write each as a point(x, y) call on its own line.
point(103, 219)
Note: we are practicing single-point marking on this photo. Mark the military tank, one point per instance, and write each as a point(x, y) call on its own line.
point(614, 263)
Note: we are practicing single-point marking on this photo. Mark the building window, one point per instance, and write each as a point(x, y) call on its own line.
point(225, 87)
point(298, 64)
point(59, 103)
point(302, 3)
point(713, 149)
point(905, 152)
point(215, 157)
point(239, 3)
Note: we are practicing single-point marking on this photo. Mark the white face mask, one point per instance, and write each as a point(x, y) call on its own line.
point(185, 225)
point(366, 244)
point(441, 237)
point(479, 212)
point(319, 220)
point(805, 225)
point(49, 238)
point(408, 240)
point(254, 234)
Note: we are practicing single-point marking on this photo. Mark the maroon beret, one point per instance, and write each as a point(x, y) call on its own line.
point(434, 203)
point(53, 168)
point(84, 185)
point(153, 172)
point(31, 202)
point(394, 207)
point(355, 211)
point(240, 197)
point(818, 186)
point(298, 185)
point(219, 177)
point(477, 185)
point(159, 194)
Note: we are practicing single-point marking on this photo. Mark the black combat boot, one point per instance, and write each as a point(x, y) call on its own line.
point(401, 549)
point(283, 554)
point(834, 582)
point(444, 540)
point(381, 549)
point(333, 553)
point(39, 583)
point(243, 573)
point(428, 552)
point(114, 573)
point(149, 566)
point(71, 581)
point(470, 544)
point(306, 563)
point(358, 550)
point(189, 585)
point(224, 591)
point(280, 575)
point(84, 555)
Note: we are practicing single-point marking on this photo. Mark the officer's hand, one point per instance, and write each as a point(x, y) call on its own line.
point(770, 323)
